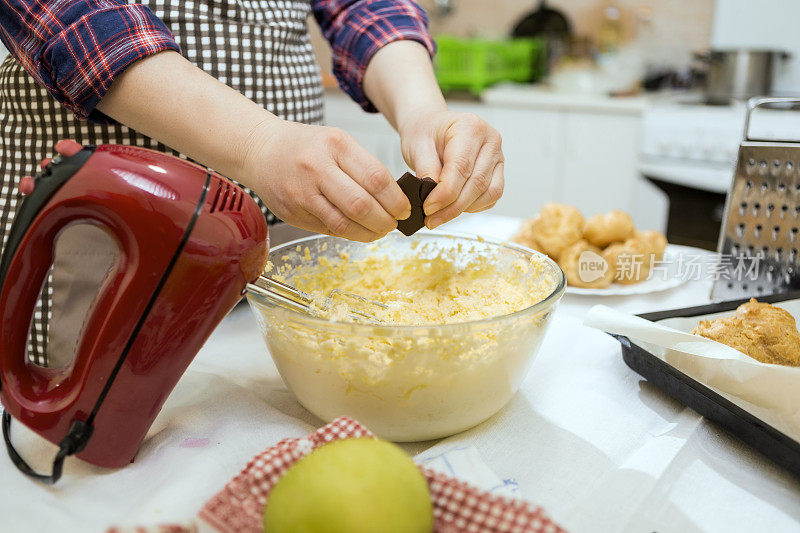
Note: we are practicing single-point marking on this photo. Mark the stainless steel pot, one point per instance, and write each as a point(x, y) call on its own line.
point(740, 74)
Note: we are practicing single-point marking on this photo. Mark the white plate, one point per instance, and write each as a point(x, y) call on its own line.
point(502, 227)
point(668, 275)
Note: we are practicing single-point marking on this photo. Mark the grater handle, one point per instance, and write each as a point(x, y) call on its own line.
point(761, 101)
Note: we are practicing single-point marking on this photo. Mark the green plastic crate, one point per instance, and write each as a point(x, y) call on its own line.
point(475, 64)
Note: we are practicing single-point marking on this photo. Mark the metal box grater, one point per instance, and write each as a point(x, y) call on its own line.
point(759, 241)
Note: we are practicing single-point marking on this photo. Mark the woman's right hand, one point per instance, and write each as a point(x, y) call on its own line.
point(313, 177)
point(320, 179)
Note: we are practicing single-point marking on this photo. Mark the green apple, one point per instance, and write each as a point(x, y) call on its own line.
point(351, 486)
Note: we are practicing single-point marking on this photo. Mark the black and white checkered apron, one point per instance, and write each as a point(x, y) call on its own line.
point(261, 48)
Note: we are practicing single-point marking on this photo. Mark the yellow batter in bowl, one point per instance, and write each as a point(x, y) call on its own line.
point(464, 319)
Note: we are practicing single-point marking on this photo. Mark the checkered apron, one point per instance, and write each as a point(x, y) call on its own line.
point(261, 48)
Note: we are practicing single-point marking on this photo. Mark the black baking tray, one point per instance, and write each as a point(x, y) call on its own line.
point(774, 444)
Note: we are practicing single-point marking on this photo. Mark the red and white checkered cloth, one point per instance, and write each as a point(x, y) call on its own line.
point(457, 506)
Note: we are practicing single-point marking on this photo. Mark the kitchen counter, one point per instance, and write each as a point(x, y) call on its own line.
point(522, 96)
point(595, 445)
point(540, 97)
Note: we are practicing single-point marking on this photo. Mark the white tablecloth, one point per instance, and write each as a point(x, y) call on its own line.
point(588, 439)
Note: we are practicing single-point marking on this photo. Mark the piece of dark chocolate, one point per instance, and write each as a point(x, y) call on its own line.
point(416, 190)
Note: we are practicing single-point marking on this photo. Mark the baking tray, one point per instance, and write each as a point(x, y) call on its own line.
point(774, 444)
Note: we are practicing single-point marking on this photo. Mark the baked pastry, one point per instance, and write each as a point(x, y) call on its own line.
point(556, 227)
point(630, 254)
point(760, 330)
point(602, 230)
point(633, 260)
point(584, 266)
point(630, 260)
point(653, 242)
point(525, 236)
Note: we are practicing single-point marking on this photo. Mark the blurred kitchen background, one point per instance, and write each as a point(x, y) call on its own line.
point(630, 104)
point(605, 104)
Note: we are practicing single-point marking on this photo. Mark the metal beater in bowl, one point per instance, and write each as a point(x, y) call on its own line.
point(360, 309)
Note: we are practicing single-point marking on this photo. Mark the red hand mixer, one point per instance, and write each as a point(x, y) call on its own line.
point(189, 241)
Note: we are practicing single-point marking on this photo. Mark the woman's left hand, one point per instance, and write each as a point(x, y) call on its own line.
point(458, 150)
point(461, 152)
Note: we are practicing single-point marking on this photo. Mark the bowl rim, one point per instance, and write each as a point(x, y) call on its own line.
point(549, 301)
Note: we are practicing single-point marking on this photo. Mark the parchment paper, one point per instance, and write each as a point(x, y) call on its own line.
point(770, 392)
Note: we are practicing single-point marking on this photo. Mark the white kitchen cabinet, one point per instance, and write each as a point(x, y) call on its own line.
point(370, 129)
point(532, 147)
point(600, 164)
point(580, 152)
point(581, 155)
point(590, 144)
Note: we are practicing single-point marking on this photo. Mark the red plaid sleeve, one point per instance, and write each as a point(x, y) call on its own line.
point(357, 29)
point(75, 49)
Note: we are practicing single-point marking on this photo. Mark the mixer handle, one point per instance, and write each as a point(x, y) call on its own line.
point(92, 200)
point(27, 266)
point(110, 202)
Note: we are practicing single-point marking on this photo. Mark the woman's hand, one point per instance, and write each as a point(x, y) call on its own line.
point(312, 177)
point(320, 179)
point(460, 151)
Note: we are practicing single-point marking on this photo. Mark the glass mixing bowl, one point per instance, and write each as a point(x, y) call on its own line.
point(405, 383)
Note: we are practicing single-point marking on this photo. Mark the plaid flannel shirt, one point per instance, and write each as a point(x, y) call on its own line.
point(357, 29)
point(75, 48)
